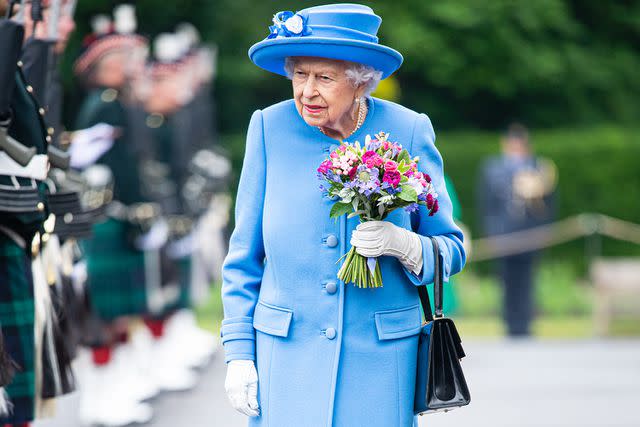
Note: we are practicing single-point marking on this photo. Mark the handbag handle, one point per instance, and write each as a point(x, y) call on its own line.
point(437, 286)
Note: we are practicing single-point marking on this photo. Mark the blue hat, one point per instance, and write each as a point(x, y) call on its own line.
point(336, 31)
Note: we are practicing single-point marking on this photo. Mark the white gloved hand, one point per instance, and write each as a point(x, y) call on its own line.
point(88, 145)
point(376, 238)
point(155, 238)
point(241, 385)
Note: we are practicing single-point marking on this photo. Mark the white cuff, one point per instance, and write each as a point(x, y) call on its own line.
point(412, 259)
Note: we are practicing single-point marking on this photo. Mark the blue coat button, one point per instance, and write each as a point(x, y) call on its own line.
point(330, 333)
point(332, 241)
point(331, 287)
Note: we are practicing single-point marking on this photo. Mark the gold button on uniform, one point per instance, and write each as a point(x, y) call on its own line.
point(109, 95)
point(154, 120)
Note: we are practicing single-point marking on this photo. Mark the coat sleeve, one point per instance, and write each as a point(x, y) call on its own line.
point(441, 224)
point(243, 266)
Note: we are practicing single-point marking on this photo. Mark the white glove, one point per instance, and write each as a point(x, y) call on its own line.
point(376, 238)
point(241, 385)
point(88, 145)
point(155, 238)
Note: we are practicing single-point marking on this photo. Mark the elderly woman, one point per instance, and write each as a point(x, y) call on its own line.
point(302, 347)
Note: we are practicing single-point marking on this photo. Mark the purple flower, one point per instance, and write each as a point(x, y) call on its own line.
point(411, 208)
point(332, 176)
point(390, 189)
point(367, 180)
point(374, 144)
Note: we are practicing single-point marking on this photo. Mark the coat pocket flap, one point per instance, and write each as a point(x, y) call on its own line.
point(399, 323)
point(271, 319)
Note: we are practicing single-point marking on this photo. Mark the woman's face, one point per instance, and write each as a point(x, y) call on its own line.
point(323, 95)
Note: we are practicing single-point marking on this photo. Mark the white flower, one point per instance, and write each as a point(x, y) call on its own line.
point(346, 194)
point(415, 184)
point(294, 24)
point(388, 199)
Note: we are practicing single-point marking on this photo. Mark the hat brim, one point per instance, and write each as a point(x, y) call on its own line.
point(270, 54)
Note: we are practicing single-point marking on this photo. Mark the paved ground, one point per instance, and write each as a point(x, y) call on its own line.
point(513, 383)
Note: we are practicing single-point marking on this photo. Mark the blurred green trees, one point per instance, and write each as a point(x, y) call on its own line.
point(468, 63)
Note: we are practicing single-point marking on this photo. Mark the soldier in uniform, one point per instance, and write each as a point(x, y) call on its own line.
point(23, 209)
point(515, 193)
point(164, 174)
point(117, 262)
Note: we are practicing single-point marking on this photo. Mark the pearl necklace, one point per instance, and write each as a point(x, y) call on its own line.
point(362, 114)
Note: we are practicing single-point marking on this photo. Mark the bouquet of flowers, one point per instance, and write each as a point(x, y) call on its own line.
point(371, 181)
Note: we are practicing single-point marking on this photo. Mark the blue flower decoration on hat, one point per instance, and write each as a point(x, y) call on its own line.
point(289, 24)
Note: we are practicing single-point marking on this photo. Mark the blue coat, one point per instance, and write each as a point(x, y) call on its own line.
point(327, 354)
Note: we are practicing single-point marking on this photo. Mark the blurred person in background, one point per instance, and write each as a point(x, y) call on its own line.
point(516, 192)
point(122, 262)
point(167, 90)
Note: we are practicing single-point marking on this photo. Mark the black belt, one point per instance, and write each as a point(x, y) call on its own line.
point(20, 200)
point(63, 202)
point(80, 227)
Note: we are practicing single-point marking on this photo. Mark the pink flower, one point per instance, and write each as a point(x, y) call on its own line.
point(342, 148)
point(430, 201)
point(352, 172)
point(390, 165)
point(334, 155)
point(325, 166)
point(435, 208)
point(392, 177)
point(372, 159)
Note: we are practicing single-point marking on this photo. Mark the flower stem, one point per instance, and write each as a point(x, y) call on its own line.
point(355, 270)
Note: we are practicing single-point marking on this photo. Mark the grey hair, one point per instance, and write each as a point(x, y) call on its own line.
point(357, 74)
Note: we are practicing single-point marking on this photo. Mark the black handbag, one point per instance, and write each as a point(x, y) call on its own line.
point(440, 383)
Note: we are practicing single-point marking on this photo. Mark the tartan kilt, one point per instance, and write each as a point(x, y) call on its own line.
point(17, 317)
point(116, 272)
